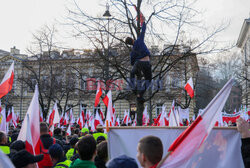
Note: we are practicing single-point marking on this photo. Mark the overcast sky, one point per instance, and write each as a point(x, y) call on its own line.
point(20, 18)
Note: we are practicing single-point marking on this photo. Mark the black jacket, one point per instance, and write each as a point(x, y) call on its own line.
point(245, 151)
point(47, 141)
point(99, 163)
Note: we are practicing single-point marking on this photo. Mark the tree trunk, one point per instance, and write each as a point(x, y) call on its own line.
point(139, 111)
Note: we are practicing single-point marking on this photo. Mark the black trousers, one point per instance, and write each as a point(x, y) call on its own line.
point(140, 69)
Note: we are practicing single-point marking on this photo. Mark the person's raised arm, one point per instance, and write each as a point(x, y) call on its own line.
point(143, 29)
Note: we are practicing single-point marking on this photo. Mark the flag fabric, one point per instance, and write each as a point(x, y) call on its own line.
point(163, 116)
point(7, 82)
point(3, 120)
point(173, 116)
point(189, 87)
point(68, 131)
point(101, 114)
point(48, 116)
point(117, 123)
point(9, 116)
point(81, 119)
point(98, 94)
point(141, 16)
point(145, 116)
point(135, 121)
point(98, 119)
point(41, 116)
point(109, 111)
point(30, 130)
point(72, 118)
point(183, 148)
point(125, 117)
point(14, 117)
point(55, 117)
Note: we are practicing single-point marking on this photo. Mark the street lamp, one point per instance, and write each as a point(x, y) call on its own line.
point(107, 15)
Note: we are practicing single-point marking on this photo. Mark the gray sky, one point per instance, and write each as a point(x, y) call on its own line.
point(20, 18)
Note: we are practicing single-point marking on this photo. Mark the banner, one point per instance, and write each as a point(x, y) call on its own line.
point(221, 149)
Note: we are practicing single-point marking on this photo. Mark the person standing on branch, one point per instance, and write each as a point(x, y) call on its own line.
point(140, 60)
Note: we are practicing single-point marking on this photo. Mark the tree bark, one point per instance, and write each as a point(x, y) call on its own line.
point(139, 111)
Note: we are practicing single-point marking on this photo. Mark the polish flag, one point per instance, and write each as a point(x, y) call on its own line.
point(156, 121)
point(7, 82)
point(188, 143)
point(97, 120)
point(9, 116)
point(125, 118)
point(68, 131)
point(92, 123)
point(109, 111)
point(72, 118)
point(81, 119)
point(66, 119)
point(14, 118)
point(117, 123)
point(101, 114)
point(135, 121)
point(61, 119)
point(173, 117)
point(48, 116)
point(163, 116)
point(30, 131)
point(56, 117)
point(3, 123)
point(189, 87)
point(88, 114)
point(106, 100)
point(17, 118)
point(145, 116)
point(98, 94)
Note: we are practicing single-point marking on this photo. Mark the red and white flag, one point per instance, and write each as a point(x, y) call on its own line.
point(109, 111)
point(125, 117)
point(81, 119)
point(145, 116)
point(68, 131)
point(173, 116)
point(72, 118)
point(30, 131)
point(183, 148)
point(9, 116)
point(101, 114)
point(3, 123)
point(7, 82)
point(48, 116)
point(14, 117)
point(98, 120)
point(163, 116)
point(55, 117)
point(135, 121)
point(117, 123)
point(189, 87)
point(98, 94)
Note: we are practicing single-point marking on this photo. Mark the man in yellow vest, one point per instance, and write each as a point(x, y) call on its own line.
point(57, 157)
point(3, 143)
point(99, 132)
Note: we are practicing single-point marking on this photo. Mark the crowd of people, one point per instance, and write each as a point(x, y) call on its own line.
point(86, 149)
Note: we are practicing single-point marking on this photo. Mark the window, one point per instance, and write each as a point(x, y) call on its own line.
point(158, 109)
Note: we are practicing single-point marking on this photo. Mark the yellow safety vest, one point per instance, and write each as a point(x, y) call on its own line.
point(96, 135)
point(5, 149)
point(64, 164)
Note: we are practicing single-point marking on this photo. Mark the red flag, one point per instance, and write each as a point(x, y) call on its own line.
point(101, 114)
point(7, 82)
point(98, 94)
point(189, 87)
point(30, 131)
point(183, 148)
point(141, 16)
point(109, 111)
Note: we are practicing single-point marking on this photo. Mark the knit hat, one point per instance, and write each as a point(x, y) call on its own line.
point(122, 161)
point(56, 151)
point(24, 158)
point(17, 145)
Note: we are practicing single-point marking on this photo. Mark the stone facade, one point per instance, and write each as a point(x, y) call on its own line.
point(82, 63)
point(244, 44)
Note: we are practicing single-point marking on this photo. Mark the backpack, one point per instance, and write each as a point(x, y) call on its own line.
point(46, 162)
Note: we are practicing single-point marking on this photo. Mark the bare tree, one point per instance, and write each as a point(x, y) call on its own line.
point(165, 21)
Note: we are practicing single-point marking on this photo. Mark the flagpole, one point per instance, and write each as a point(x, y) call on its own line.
point(162, 161)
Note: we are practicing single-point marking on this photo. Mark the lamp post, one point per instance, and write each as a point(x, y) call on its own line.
point(107, 15)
